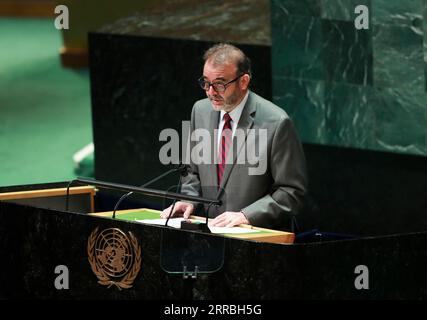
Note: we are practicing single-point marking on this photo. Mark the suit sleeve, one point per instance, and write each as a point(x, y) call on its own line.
point(288, 171)
point(191, 183)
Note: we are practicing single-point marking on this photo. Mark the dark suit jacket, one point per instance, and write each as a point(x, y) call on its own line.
point(268, 199)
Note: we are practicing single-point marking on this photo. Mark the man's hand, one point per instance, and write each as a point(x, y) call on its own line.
point(229, 219)
point(181, 208)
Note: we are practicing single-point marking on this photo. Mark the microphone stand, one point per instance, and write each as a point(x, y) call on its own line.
point(89, 181)
point(153, 192)
point(188, 225)
point(202, 227)
point(180, 168)
point(174, 202)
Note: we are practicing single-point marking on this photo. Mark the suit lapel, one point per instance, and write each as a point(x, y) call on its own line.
point(246, 121)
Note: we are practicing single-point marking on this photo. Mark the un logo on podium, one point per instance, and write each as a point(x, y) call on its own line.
point(115, 257)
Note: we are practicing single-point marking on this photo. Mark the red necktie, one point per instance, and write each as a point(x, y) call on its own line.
point(226, 139)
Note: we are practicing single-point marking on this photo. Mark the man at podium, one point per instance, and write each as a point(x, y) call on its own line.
point(264, 188)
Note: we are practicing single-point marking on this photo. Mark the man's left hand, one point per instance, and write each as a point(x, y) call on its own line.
point(229, 219)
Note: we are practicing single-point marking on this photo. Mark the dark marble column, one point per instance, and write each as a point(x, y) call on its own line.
point(359, 102)
point(349, 87)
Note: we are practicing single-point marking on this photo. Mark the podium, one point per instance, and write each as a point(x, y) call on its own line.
point(41, 243)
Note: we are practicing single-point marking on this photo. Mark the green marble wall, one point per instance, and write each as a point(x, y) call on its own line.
point(353, 88)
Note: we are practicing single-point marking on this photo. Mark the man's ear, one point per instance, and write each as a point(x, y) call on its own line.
point(244, 81)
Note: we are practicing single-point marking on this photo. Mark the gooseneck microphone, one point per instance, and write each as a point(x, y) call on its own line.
point(174, 202)
point(181, 168)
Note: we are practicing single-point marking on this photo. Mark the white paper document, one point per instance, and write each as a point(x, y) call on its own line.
point(176, 223)
point(234, 230)
point(173, 222)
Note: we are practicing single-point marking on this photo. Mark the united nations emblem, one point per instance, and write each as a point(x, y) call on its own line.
point(114, 257)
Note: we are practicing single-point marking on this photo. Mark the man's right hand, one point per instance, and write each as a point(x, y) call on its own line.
point(181, 208)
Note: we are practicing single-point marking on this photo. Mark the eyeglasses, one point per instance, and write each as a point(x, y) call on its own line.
point(217, 86)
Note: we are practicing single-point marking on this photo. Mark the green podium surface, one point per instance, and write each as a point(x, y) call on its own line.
point(254, 233)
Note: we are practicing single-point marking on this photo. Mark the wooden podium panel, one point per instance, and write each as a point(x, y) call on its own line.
point(82, 198)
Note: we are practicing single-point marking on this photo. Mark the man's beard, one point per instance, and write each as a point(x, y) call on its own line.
point(229, 103)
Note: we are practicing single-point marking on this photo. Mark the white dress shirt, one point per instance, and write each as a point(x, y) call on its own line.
point(235, 117)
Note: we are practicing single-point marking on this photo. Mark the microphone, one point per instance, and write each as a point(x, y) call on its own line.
point(173, 204)
point(146, 191)
point(188, 225)
point(182, 168)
